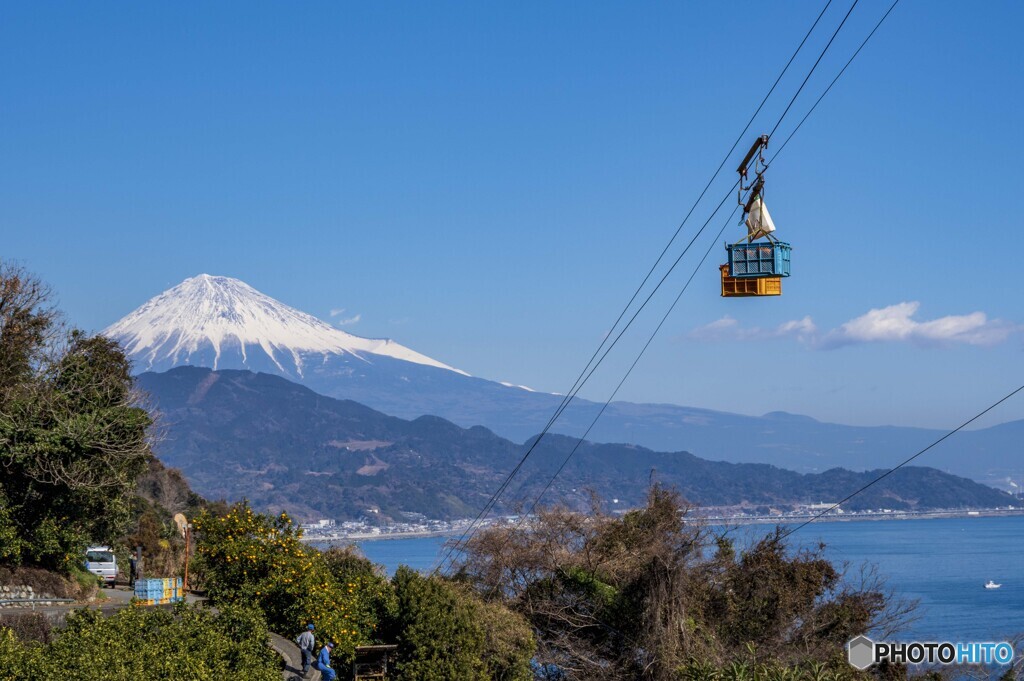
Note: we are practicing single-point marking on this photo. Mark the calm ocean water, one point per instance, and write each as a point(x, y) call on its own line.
point(944, 563)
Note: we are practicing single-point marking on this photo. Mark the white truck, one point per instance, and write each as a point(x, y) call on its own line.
point(101, 561)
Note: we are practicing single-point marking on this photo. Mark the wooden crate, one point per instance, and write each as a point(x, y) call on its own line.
point(736, 287)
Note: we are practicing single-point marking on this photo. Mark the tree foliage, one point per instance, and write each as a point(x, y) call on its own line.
point(435, 631)
point(28, 323)
point(444, 631)
point(653, 594)
point(189, 644)
point(254, 558)
point(72, 441)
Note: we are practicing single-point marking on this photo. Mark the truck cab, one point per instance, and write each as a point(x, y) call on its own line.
point(101, 561)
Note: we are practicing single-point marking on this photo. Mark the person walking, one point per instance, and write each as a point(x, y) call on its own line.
point(323, 663)
point(306, 641)
point(133, 572)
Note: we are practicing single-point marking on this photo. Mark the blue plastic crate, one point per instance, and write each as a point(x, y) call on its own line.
point(149, 588)
point(759, 259)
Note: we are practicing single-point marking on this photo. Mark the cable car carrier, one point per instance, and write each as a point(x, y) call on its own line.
point(755, 268)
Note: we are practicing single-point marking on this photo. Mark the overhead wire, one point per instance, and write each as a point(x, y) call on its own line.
point(643, 350)
point(632, 366)
point(588, 370)
point(675, 235)
point(774, 156)
point(584, 375)
point(877, 479)
point(815, 66)
point(700, 264)
point(838, 76)
point(675, 302)
point(792, 100)
point(906, 461)
point(469, 530)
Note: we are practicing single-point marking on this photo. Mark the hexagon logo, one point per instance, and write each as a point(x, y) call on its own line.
point(861, 652)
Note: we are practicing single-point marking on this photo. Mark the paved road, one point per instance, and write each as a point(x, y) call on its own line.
point(289, 652)
point(113, 600)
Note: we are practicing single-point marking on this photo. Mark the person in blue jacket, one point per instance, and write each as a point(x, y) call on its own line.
point(323, 663)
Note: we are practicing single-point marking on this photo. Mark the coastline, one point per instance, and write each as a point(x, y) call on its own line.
point(865, 517)
point(713, 519)
point(366, 536)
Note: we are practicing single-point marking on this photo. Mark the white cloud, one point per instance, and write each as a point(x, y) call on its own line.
point(728, 328)
point(348, 320)
point(894, 323)
point(801, 328)
point(717, 329)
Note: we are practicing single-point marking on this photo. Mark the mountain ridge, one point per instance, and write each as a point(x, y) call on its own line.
point(395, 385)
point(286, 447)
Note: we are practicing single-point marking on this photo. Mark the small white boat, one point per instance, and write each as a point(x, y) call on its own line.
point(992, 585)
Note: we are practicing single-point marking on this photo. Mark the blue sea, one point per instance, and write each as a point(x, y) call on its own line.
point(943, 563)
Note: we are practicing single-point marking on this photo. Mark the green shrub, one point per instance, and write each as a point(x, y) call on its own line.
point(74, 443)
point(253, 558)
point(188, 644)
point(18, 660)
point(28, 626)
point(88, 582)
point(444, 631)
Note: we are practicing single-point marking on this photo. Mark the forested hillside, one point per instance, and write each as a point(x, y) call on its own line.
point(237, 434)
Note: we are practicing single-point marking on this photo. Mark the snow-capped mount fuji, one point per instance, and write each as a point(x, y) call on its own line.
point(223, 323)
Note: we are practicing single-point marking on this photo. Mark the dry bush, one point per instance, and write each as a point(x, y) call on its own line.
point(41, 581)
point(655, 594)
point(29, 627)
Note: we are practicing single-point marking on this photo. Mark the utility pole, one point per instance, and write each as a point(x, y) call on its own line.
point(188, 536)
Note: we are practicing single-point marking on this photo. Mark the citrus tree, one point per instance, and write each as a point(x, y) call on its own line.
point(188, 644)
point(256, 558)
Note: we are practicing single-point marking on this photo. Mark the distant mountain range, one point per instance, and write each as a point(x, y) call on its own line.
point(223, 323)
point(236, 433)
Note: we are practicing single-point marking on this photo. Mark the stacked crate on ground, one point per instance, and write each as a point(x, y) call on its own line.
point(159, 591)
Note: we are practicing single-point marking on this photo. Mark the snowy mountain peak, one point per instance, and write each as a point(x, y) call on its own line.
point(222, 322)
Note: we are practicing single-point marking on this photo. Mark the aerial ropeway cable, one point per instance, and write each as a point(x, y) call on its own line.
point(755, 223)
point(755, 213)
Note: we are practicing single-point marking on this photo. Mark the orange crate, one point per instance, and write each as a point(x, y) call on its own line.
point(733, 287)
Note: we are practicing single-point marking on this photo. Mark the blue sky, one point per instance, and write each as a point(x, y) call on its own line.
point(487, 183)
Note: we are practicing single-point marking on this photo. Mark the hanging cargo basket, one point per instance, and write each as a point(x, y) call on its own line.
point(759, 259)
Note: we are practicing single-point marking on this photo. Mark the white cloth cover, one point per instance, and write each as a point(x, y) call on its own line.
point(759, 222)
